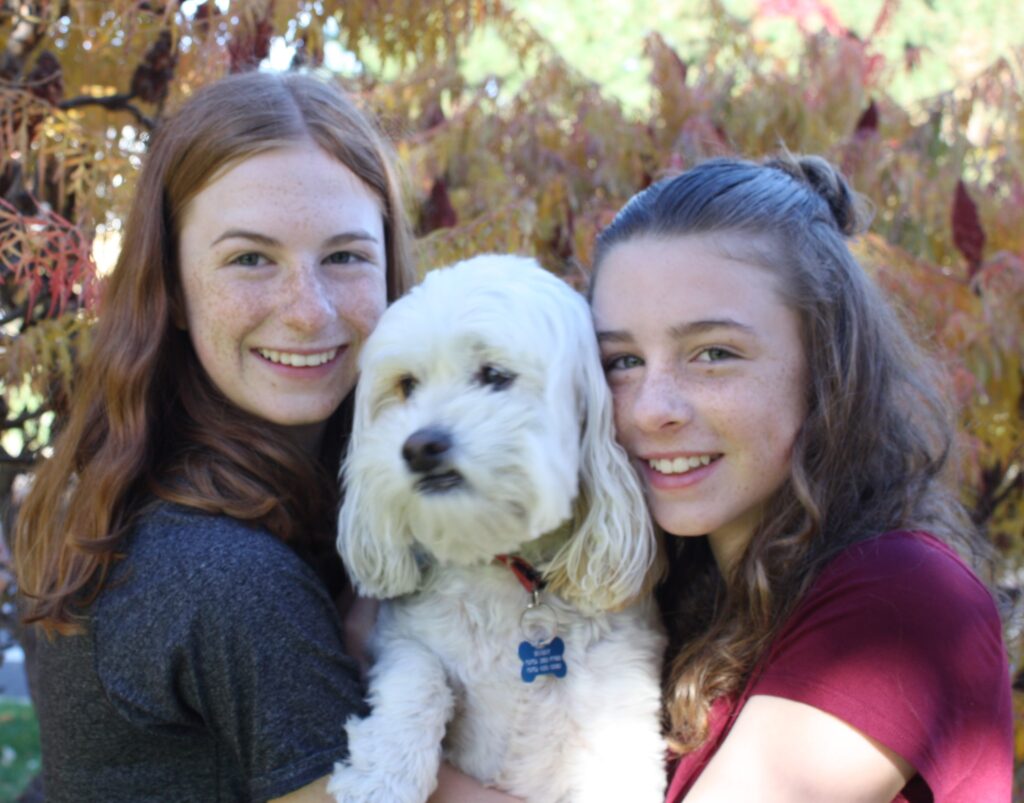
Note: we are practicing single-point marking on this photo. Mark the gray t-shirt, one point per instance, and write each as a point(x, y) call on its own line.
point(212, 669)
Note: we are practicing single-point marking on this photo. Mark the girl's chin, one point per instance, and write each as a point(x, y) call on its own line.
point(680, 532)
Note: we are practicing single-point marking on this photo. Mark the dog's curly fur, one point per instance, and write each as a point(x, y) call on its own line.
point(483, 426)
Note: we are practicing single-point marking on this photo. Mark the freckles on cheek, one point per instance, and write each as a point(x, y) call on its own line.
point(364, 319)
point(620, 417)
point(197, 293)
point(366, 311)
point(208, 308)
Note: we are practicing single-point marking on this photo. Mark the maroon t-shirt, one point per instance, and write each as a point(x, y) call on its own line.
point(898, 638)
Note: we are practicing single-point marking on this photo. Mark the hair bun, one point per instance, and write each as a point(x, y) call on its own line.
point(849, 210)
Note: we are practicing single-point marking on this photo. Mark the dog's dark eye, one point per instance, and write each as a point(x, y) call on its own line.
point(495, 378)
point(406, 385)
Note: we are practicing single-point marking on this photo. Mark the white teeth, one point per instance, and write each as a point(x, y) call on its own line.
point(679, 465)
point(298, 360)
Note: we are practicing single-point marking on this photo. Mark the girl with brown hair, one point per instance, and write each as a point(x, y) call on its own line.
point(828, 640)
point(178, 547)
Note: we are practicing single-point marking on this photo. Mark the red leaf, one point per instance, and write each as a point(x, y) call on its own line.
point(658, 49)
point(437, 211)
point(432, 116)
point(968, 235)
point(678, 64)
point(205, 12)
point(43, 250)
point(889, 7)
point(804, 13)
point(155, 71)
point(249, 46)
point(46, 81)
point(868, 122)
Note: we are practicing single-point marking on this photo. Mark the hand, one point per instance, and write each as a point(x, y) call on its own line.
point(358, 617)
point(456, 787)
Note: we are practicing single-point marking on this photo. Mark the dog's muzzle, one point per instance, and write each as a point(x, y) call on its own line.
point(427, 452)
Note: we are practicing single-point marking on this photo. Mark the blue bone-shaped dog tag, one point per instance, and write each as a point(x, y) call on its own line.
point(544, 660)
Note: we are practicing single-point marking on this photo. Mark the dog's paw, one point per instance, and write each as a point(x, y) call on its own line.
point(348, 785)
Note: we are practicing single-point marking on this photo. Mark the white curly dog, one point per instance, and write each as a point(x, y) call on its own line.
point(486, 497)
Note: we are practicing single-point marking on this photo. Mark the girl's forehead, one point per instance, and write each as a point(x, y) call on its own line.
point(672, 258)
point(679, 258)
point(653, 286)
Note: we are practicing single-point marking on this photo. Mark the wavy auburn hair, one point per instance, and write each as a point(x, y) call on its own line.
point(145, 420)
point(872, 455)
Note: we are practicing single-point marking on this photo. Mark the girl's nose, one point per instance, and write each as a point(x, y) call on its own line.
point(661, 401)
point(309, 306)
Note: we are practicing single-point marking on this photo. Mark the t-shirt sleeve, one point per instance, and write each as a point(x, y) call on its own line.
point(898, 638)
point(230, 631)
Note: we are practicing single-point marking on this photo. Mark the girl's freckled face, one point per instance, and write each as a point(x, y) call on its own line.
point(282, 265)
point(707, 372)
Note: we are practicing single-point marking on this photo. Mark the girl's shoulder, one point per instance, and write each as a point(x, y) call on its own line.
point(205, 541)
point(204, 559)
point(915, 546)
point(193, 524)
point(897, 589)
point(189, 577)
point(899, 638)
point(906, 567)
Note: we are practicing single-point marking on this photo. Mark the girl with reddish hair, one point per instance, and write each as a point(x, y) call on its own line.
point(178, 547)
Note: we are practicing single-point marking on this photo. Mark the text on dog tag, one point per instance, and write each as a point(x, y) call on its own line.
point(544, 660)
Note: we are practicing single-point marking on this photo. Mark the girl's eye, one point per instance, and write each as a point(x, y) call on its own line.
point(494, 377)
point(714, 354)
point(251, 259)
point(622, 362)
point(343, 258)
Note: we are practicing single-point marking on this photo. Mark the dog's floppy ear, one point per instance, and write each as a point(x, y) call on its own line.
point(373, 540)
point(614, 555)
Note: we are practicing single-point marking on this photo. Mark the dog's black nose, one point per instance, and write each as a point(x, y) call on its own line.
point(426, 449)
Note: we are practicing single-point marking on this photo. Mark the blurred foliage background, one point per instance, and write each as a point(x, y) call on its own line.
point(523, 126)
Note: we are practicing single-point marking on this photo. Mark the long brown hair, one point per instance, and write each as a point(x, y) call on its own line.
point(145, 420)
point(873, 454)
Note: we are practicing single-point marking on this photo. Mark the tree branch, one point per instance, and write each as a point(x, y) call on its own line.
point(13, 315)
point(21, 420)
point(993, 497)
point(118, 102)
point(21, 460)
point(1004, 494)
point(44, 298)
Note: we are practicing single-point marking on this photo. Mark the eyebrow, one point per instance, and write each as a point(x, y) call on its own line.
point(680, 331)
point(344, 238)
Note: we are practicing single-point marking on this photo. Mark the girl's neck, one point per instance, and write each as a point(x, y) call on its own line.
point(308, 437)
point(730, 542)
